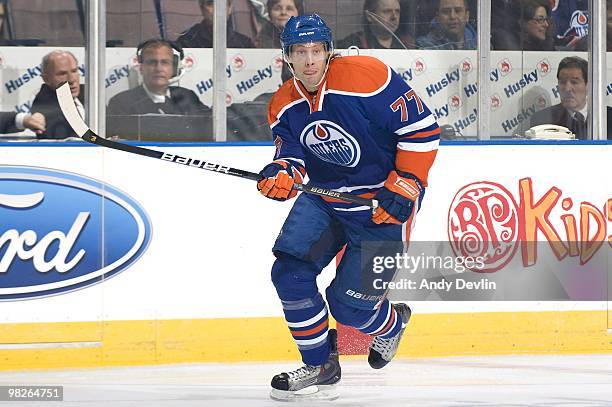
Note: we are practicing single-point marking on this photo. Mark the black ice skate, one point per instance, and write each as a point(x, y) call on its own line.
point(383, 350)
point(310, 382)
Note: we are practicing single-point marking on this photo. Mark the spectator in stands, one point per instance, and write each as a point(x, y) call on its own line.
point(279, 11)
point(159, 63)
point(58, 67)
point(572, 77)
point(570, 25)
point(201, 34)
point(503, 22)
point(531, 30)
point(609, 25)
point(11, 122)
point(380, 23)
point(450, 28)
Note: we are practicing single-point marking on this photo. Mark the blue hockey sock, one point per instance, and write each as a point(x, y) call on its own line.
point(308, 322)
point(385, 322)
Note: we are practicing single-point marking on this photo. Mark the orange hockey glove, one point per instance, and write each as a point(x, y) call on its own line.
point(397, 198)
point(278, 179)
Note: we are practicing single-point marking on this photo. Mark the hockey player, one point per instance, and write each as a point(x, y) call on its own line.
point(355, 126)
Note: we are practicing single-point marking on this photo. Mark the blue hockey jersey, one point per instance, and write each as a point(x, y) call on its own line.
point(363, 122)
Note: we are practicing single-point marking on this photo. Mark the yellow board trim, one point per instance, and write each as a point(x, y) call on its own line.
point(115, 343)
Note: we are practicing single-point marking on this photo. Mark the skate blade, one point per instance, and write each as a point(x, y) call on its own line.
point(321, 392)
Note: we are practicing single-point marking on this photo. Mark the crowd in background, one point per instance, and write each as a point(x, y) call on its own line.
point(533, 25)
point(529, 25)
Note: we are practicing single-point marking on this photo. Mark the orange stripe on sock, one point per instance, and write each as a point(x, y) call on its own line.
point(390, 323)
point(321, 327)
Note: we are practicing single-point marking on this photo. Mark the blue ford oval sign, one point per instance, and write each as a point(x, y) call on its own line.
point(61, 231)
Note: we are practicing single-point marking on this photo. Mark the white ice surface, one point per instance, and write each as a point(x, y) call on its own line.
point(583, 380)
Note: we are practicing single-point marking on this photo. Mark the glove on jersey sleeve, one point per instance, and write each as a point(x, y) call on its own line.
point(397, 198)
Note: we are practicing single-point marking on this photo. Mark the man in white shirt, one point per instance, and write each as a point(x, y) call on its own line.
point(160, 66)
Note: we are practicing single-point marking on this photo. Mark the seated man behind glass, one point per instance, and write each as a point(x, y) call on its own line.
point(159, 64)
point(57, 67)
point(380, 22)
point(450, 28)
point(572, 78)
point(200, 35)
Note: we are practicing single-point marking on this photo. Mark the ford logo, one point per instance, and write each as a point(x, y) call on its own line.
point(61, 231)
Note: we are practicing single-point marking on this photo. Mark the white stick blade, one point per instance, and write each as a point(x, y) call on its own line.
point(66, 102)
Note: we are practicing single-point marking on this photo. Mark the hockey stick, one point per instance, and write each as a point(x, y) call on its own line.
point(71, 114)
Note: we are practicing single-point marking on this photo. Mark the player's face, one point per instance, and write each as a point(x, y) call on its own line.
point(453, 16)
point(63, 68)
point(281, 12)
point(388, 13)
point(572, 88)
point(537, 26)
point(156, 68)
point(308, 62)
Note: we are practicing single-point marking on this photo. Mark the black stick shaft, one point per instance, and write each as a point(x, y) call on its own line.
point(93, 138)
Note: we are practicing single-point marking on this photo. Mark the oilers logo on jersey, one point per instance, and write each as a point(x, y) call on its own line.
point(331, 143)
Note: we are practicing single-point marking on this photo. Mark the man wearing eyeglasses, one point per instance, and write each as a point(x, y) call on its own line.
point(450, 28)
point(155, 95)
point(158, 67)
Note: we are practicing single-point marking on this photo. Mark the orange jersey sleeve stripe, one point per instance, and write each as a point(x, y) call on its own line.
point(417, 163)
point(423, 134)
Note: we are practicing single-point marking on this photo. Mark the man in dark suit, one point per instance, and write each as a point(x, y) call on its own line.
point(11, 122)
point(201, 34)
point(58, 67)
point(572, 77)
point(158, 65)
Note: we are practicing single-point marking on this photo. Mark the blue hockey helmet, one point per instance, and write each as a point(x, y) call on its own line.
point(306, 28)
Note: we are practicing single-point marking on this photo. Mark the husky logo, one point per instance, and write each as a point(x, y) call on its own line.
point(189, 62)
point(544, 67)
point(419, 66)
point(454, 101)
point(541, 101)
point(330, 142)
point(504, 66)
point(277, 63)
point(495, 102)
point(238, 63)
point(62, 232)
point(466, 66)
